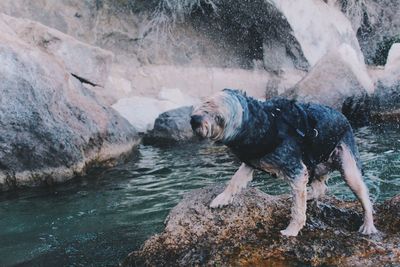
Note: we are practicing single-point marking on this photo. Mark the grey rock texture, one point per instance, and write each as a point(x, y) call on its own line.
point(51, 127)
point(379, 27)
point(377, 24)
point(89, 63)
point(246, 233)
point(218, 33)
point(171, 127)
point(386, 98)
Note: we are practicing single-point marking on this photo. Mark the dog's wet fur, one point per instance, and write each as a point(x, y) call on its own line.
point(301, 142)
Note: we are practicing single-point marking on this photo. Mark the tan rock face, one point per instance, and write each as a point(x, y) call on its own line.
point(87, 62)
point(51, 127)
point(337, 76)
point(246, 233)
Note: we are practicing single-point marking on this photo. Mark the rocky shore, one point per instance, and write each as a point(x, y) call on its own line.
point(246, 233)
point(53, 127)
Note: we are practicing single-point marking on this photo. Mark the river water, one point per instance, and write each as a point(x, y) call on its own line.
point(97, 220)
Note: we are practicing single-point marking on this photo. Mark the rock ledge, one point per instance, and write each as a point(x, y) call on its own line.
point(247, 234)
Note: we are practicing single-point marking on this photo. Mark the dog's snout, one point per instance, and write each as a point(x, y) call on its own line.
point(195, 121)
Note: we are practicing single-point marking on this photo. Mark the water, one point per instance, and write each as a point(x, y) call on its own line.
point(97, 220)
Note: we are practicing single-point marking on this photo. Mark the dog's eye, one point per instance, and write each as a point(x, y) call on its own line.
point(219, 120)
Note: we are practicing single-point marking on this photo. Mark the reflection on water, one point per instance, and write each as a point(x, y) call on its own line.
point(97, 220)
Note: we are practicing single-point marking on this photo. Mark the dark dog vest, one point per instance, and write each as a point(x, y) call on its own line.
point(317, 129)
point(297, 120)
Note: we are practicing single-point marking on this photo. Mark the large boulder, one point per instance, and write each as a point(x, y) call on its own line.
point(337, 76)
point(51, 127)
point(318, 28)
point(246, 233)
point(224, 33)
point(284, 35)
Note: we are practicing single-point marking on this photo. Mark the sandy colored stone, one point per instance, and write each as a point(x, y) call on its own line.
point(246, 233)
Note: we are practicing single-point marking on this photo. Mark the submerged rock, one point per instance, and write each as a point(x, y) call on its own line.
point(246, 233)
point(52, 128)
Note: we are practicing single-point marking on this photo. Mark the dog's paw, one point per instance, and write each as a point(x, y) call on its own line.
point(221, 200)
point(293, 228)
point(289, 232)
point(368, 229)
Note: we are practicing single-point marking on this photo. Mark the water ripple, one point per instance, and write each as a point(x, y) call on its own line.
point(98, 219)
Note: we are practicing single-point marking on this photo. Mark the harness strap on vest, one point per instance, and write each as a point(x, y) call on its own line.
point(307, 132)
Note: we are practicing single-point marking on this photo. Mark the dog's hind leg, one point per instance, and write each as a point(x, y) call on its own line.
point(239, 181)
point(299, 206)
point(351, 173)
point(318, 188)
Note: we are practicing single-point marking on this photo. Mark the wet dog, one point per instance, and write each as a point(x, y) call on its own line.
point(299, 142)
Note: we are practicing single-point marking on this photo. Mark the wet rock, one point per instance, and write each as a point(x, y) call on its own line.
point(385, 102)
point(337, 76)
point(246, 233)
point(377, 24)
point(391, 72)
point(52, 128)
point(171, 127)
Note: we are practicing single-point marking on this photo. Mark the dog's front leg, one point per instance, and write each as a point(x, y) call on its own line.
point(299, 206)
point(238, 182)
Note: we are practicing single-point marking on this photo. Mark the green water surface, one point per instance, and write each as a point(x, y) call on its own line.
point(97, 220)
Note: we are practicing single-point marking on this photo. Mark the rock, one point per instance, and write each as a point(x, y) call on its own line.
point(391, 73)
point(246, 233)
point(129, 30)
point(385, 102)
point(197, 82)
point(88, 63)
point(377, 24)
point(171, 127)
point(51, 127)
point(217, 49)
point(318, 28)
point(225, 34)
point(283, 34)
point(142, 111)
point(337, 76)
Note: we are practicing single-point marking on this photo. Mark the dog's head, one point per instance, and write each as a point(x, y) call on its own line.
point(219, 117)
